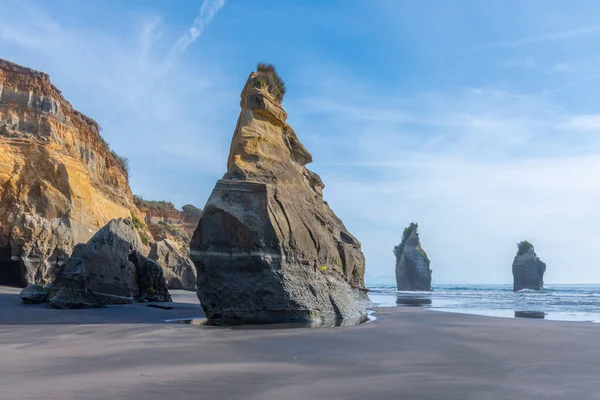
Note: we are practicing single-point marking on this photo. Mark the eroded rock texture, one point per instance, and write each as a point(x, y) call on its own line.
point(178, 269)
point(412, 263)
point(59, 182)
point(528, 269)
point(268, 248)
point(109, 269)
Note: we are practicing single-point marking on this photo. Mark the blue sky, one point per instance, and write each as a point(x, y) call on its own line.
point(479, 120)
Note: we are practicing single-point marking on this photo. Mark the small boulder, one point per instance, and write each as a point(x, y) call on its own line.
point(34, 294)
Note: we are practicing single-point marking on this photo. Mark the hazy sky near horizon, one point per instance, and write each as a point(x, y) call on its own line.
point(479, 120)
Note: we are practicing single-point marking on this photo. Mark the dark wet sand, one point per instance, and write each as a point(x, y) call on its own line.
point(408, 353)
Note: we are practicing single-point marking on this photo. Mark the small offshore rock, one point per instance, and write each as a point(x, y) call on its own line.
point(412, 264)
point(528, 270)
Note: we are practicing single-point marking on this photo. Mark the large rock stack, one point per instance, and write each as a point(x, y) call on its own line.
point(412, 263)
point(528, 270)
point(268, 249)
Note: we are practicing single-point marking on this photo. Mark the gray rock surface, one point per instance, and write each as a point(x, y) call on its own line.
point(151, 282)
point(268, 249)
point(34, 294)
point(528, 271)
point(412, 264)
point(179, 271)
point(109, 269)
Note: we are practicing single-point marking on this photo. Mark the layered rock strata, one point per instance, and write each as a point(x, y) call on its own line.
point(528, 270)
point(412, 264)
point(268, 249)
point(59, 181)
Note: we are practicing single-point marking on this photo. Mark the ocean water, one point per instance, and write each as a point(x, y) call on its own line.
point(554, 302)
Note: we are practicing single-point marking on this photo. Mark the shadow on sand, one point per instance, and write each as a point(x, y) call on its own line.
point(13, 312)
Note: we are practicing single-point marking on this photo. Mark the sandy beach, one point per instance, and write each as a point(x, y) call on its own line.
point(129, 352)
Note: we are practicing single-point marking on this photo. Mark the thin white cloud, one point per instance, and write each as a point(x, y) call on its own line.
point(207, 12)
point(586, 123)
point(505, 169)
point(524, 62)
point(549, 37)
point(168, 131)
point(561, 68)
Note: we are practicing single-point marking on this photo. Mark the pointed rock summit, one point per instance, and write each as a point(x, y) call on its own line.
point(268, 249)
point(528, 269)
point(412, 263)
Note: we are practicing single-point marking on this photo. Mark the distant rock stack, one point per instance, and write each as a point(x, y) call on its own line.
point(268, 249)
point(412, 263)
point(528, 269)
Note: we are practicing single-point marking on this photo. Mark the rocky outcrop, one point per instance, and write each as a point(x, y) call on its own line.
point(34, 294)
point(528, 270)
point(412, 263)
point(109, 269)
point(167, 222)
point(59, 181)
point(179, 270)
point(268, 248)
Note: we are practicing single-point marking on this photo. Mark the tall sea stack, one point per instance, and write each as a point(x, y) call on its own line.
point(528, 269)
point(268, 249)
point(412, 263)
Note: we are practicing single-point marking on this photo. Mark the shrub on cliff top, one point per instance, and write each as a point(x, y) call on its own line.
point(152, 204)
point(272, 79)
point(191, 211)
point(524, 247)
point(122, 162)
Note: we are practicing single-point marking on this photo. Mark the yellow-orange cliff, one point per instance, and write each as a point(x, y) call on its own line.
point(59, 181)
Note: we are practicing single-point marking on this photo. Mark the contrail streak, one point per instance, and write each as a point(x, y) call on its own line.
point(207, 12)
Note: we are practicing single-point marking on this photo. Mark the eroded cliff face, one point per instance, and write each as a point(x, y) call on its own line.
point(165, 222)
point(268, 248)
point(59, 182)
point(412, 264)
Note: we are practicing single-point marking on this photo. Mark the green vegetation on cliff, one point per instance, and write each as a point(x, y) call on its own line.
point(269, 76)
point(398, 249)
point(140, 227)
point(524, 247)
point(122, 162)
point(152, 204)
point(191, 211)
